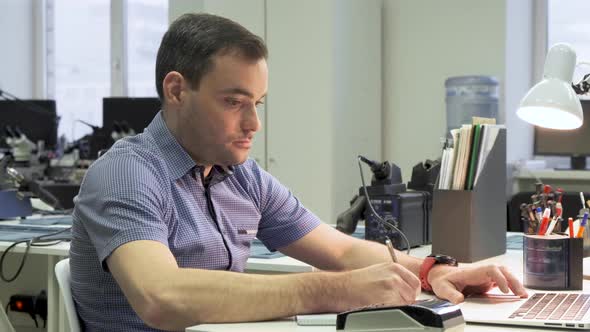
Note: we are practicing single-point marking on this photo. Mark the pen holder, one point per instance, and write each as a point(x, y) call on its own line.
point(553, 262)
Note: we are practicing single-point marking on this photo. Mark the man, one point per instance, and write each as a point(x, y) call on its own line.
point(164, 220)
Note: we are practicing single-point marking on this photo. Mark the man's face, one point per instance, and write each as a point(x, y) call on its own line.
point(220, 118)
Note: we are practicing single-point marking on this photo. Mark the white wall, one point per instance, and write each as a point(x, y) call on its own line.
point(324, 97)
point(16, 53)
point(357, 119)
point(519, 79)
point(424, 43)
point(519, 76)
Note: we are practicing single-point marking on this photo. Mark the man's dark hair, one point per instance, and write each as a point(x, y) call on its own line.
point(193, 39)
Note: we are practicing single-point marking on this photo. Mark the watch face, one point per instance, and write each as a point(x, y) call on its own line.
point(444, 259)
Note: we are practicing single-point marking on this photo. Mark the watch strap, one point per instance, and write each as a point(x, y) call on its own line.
point(425, 268)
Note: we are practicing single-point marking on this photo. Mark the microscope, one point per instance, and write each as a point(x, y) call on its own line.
point(20, 146)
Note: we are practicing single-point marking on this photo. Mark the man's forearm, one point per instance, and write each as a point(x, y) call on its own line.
point(201, 296)
point(364, 253)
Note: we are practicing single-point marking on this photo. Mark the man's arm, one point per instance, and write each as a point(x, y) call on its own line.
point(329, 249)
point(172, 298)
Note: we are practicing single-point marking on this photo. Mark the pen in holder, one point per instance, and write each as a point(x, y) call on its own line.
point(553, 262)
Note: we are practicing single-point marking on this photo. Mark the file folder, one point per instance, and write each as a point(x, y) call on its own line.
point(470, 225)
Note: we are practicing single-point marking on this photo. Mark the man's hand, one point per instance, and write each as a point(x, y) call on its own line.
point(452, 284)
point(386, 283)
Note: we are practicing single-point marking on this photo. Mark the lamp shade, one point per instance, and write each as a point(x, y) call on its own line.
point(552, 103)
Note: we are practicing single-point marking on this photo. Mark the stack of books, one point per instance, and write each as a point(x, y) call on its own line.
point(464, 158)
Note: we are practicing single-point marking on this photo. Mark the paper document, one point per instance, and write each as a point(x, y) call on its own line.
point(487, 143)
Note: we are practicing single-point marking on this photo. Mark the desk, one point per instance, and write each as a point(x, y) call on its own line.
point(569, 180)
point(56, 318)
point(512, 259)
point(55, 308)
point(57, 321)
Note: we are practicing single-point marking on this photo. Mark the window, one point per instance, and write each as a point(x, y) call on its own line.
point(567, 22)
point(80, 55)
point(147, 20)
point(78, 74)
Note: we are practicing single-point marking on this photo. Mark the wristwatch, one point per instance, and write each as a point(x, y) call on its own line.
point(427, 265)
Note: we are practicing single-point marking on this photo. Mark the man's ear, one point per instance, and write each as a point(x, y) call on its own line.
point(173, 86)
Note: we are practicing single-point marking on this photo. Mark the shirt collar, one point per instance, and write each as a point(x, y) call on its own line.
point(178, 160)
point(218, 173)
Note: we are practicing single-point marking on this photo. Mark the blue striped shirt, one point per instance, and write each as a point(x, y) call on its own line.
point(147, 187)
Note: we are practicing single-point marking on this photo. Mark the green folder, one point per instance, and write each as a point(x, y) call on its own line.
point(474, 156)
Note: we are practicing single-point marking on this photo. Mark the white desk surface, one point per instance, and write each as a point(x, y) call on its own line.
point(60, 249)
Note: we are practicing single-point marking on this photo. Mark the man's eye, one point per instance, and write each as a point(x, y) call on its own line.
point(232, 102)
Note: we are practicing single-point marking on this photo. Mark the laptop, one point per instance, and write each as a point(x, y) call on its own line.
point(568, 310)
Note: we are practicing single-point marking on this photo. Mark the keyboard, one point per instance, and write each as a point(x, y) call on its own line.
point(554, 306)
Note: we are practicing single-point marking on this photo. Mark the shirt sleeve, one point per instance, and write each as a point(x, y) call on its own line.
point(121, 200)
point(284, 219)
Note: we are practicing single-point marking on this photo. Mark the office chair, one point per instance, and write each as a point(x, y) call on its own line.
point(62, 272)
point(4, 322)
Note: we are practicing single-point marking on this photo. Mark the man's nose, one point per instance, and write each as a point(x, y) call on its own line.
point(251, 121)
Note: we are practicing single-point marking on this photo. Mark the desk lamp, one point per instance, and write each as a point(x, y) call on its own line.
point(553, 103)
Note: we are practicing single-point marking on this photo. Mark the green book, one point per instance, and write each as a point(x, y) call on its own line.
point(474, 156)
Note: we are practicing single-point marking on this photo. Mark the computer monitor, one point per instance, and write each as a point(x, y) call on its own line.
point(571, 143)
point(136, 112)
point(37, 121)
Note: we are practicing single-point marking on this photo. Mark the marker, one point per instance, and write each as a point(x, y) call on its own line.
point(552, 225)
point(570, 223)
point(545, 221)
point(558, 209)
point(559, 194)
point(583, 224)
point(539, 214)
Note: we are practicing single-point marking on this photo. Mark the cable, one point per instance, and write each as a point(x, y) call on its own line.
point(37, 241)
point(22, 263)
point(379, 218)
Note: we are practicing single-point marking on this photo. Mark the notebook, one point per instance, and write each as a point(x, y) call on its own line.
point(568, 310)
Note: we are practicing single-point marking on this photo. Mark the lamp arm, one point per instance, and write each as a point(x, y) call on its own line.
point(583, 86)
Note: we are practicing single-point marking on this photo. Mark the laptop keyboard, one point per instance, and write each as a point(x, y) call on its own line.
point(554, 306)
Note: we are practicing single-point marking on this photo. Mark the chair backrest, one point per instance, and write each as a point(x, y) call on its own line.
point(62, 272)
point(4, 322)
